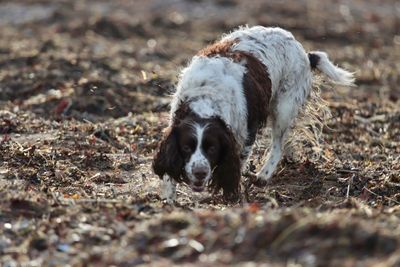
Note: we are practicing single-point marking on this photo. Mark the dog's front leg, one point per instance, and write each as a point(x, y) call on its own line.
point(168, 189)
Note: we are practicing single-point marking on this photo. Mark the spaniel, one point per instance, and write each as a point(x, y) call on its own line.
point(224, 96)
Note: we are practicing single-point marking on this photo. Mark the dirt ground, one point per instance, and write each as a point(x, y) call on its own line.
point(84, 93)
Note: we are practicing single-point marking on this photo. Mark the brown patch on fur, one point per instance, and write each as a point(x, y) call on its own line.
point(221, 48)
point(256, 83)
point(257, 90)
point(181, 113)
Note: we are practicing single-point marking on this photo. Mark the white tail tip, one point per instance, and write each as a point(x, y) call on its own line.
point(320, 60)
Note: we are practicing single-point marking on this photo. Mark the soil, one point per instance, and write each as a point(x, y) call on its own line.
point(84, 92)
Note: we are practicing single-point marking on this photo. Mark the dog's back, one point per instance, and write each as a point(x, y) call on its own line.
point(277, 49)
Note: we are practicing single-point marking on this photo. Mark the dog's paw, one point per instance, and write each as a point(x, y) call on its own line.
point(253, 179)
point(260, 182)
point(168, 201)
point(261, 179)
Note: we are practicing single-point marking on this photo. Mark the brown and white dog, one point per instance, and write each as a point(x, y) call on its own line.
point(224, 96)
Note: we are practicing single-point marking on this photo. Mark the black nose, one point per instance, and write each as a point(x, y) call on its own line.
point(200, 174)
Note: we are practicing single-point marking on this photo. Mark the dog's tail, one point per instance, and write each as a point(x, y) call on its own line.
point(319, 60)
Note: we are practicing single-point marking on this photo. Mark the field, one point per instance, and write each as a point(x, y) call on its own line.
point(84, 98)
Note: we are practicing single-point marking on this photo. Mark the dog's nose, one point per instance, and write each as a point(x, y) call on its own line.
point(200, 173)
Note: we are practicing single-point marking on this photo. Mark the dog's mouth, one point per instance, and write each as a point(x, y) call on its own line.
point(198, 186)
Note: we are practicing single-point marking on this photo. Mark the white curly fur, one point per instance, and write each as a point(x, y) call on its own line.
point(214, 86)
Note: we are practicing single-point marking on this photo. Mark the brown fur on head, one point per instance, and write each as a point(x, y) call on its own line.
point(216, 149)
point(168, 159)
point(228, 173)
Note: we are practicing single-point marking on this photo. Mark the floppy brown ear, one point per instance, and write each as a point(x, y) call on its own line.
point(168, 160)
point(228, 173)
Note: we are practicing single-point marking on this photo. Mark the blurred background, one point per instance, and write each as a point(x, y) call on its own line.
point(99, 59)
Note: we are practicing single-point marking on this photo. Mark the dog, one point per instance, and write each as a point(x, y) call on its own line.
point(225, 96)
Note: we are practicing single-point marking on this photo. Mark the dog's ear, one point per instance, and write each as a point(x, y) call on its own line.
point(228, 173)
point(168, 159)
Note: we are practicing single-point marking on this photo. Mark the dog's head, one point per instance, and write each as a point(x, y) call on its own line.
point(200, 152)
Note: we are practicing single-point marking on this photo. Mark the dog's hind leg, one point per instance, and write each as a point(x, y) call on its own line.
point(274, 155)
point(284, 110)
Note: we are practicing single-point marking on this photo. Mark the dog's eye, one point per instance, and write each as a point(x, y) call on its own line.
point(211, 150)
point(186, 149)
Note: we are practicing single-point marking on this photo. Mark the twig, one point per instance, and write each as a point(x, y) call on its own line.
point(288, 231)
point(88, 121)
point(93, 177)
point(348, 171)
point(380, 118)
point(56, 198)
point(97, 200)
point(182, 192)
point(71, 201)
point(372, 132)
point(375, 194)
point(349, 185)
